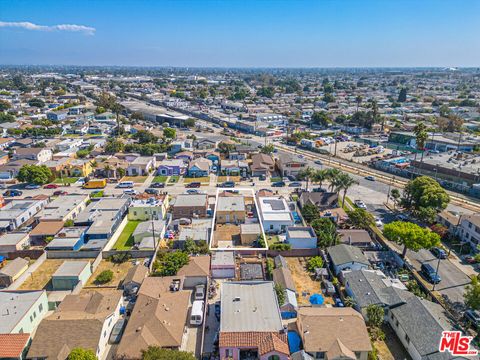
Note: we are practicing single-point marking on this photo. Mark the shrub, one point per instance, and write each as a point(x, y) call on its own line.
point(280, 246)
point(314, 262)
point(168, 263)
point(104, 277)
point(120, 258)
point(269, 267)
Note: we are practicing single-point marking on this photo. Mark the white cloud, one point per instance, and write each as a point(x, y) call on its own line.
point(87, 30)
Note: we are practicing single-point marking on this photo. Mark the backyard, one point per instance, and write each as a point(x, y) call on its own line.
point(125, 240)
point(40, 278)
point(119, 272)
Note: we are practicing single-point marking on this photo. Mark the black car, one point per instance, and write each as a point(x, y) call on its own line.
point(278, 184)
point(158, 185)
point(473, 317)
point(227, 184)
point(439, 253)
point(430, 274)
point(152, 191)
point(217, 310)
point(193, 185)
point(12, 193)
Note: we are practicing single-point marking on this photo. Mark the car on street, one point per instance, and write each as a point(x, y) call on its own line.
point(378, 222)
point(227, 184)
point(278, 184)
point(12, 193)
point(217, 310)
point(430, 274)
point(360, 204)
point(32, 186)
point(152, 191)
point(157, 185)
point(439, 253)
point(193, 185)
point(370, 178)
point(130, 192)
point(292, 178)
point(117, 331)
point(469, 259)
point(262, 178)
point(51, 186)
point(318, 189)
point(402, 217)
point(60, 192)
point(318, 162)
point(295, 184)
point(472, 317)
point(194, 191)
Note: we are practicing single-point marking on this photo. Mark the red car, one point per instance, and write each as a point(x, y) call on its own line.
point(470, 259)
point(51, 186)
point(60, 192)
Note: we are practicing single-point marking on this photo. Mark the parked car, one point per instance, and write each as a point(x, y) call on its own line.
point(60, 192)
point(430, 274)
point(13, 193)
point(469, 259)
point(439, 253)
point(292, 178)
point(157, 185)
point(32, 186)
point(199, 292)
point(318, 189)
point(227, 184)
point(318, 162)
point(152, 191)
point(193, 191)
point(130, 192)
point(360, 204)
point(51, 186)
point(370, 178)
point(262, 178)
point(473, 317)
point(117, 331)
point(193, 185)
point(378, 222)
point(295, 184)
point(278, 184)
point(217, 310)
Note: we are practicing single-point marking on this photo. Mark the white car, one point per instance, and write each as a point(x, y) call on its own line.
point(130, 192)
point(360, 204)
point(378, 222)
point(32, 186)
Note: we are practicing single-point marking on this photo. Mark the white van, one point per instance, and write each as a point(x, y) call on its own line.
point(196, 316)
point(125, 184)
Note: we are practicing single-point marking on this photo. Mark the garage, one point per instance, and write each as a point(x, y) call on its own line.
point(223, 265)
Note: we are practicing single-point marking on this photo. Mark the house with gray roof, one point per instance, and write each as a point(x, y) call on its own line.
point(22, 311)
point(346, 257)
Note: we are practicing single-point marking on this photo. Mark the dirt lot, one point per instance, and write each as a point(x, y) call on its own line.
point(304, 283)
point(119, 272)
point(346, 154)
point(41, 277)
point(391, 348)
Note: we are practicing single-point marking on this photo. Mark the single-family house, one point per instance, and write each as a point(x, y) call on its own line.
point(158, 318)
point(84, 320)
point(322, 200)
point(262, 164)
point(333, 333)
point(290, 165)
point(148, 234)
point(190, 206)
point(347, 257)
point(275, 214)
point(230, 210)
point(283, 277)
point(356, 237)
point(134, 278)
point(199, 167)
point(12, 271)
point(22, 311)
point(14, 346)
point(171, 167)
point(40, 155)
point(153, 207)
point(196, 272)
point(142, 165)
point(223, 265)
point(11, 242)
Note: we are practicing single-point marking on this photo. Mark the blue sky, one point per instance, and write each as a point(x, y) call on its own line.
point(243, 33)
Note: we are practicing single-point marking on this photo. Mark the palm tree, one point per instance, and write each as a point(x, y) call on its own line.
point(331, 176)
point(117, 109)
point(306, 174)
point(421, 136)
point(344, 182)
point(319, 177)
point(358, 100)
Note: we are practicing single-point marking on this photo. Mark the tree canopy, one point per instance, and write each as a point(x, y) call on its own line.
point(472, 294)
point(169, 133)
point(81, 354)
point(425, 198)
point(411, 236)
point(34, 174)
point(168, 263)
point(36, 102)
point(326, 232)
point(158, 353)
point(360, 218)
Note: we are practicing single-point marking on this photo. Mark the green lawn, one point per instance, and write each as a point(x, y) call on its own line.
point(135, 179)
point(174, 179)
point(272, 239)
point(204, 179)
point(275, 179)
point(66, 180)
point(125, 240)
point(160, 179)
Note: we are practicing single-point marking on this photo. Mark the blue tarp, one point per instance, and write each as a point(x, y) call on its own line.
point(294, 341)
point(316, 299)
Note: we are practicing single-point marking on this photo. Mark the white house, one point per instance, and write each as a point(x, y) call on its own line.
point(275, 214)
point(301, 237)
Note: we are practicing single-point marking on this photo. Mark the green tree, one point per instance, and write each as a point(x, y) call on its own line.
point(81, 354)
point(395, 195)
point(158, 353)
point(358, 100)
point(344, 182)
point(319, 177)
point(321, 118)
point(472, 294)
point(306, 174)
point(331, 176)
point(360, 218)
point(169, 133)
point(375, 315)
point(350, 301)
point(190, 247)
point(117, 108)
point(4, 105)
point(104, 277)
point(34, 174)
point(411, 236)
point(36, 102)
point(5, 117)
point(267, 92)
point(168, 263)
point(113, 146)
point(145, 137)
point(268, 149)
point(402, 96)
point(314, 263)
point(310, 212)
point(425, 198)
point(326, 232)
point(421, 135)
point(281, 294)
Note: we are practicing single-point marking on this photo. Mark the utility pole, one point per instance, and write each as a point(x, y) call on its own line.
point(153, 233)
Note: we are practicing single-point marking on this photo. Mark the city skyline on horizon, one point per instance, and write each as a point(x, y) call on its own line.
point(262, 34)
